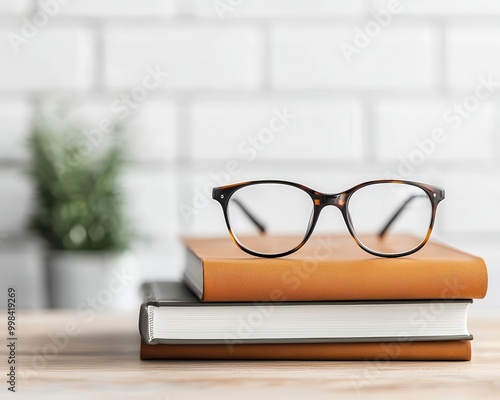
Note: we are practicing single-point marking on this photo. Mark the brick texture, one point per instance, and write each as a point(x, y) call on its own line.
point(193, 56)
point(116, 8)
point(313, 57)
point(15, 7)
point(16, 202)
point(445, 8)
point(277, 9)
point(278, 130)
point(149, 127)
point(54, 58)
point(421, 130)
point(471, 53)
point(15, 117)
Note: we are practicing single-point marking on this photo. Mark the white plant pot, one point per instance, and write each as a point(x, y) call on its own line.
point(22, 267)
point(93, 280)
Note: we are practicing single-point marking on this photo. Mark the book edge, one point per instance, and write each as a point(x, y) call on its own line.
point(462, 351)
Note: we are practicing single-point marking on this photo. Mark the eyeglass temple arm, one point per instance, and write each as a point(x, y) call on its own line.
point(397, 213)
point(246, 211)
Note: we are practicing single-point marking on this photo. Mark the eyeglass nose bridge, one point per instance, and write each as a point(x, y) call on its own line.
point(337, 200)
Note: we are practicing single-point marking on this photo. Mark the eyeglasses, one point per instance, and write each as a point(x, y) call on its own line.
point(387, 218)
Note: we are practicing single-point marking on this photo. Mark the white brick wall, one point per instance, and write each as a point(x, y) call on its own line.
point(478, 214)
point(472, 51)
point(277, 128)
point(230, 64)
point(445, 8)
point(277, 8)
point(152, 203)
point(311, 57)
point(152, 133)
point(150, 129)
point(15, 7)
point(405, 126)
point(15, 118)
point(116, 8)
point(196, 57)
point(55, 58)
point(15, 201)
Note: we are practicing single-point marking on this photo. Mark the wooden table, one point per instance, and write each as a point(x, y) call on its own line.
point(101, 360)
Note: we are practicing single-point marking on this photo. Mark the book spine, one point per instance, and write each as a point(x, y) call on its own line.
point(145, 326)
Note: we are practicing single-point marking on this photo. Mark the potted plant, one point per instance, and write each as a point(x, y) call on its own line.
point(80, 215)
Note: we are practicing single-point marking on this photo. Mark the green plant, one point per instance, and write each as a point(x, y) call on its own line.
point(79, 204)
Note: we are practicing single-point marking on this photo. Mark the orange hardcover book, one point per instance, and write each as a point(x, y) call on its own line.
point(330, 268)
point(454, 350)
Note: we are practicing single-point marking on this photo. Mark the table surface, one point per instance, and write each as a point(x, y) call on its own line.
point(101, 360)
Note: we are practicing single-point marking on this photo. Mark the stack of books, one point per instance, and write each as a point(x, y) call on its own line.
point(328, 301)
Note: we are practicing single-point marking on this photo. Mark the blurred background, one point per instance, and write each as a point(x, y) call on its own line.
point(325, 93)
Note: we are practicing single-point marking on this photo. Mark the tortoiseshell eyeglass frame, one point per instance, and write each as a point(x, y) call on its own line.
point(321, 200)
